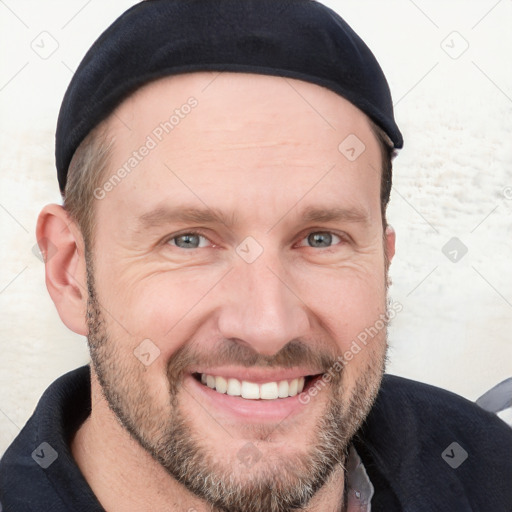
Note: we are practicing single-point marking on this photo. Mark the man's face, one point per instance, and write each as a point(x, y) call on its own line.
point(243, 251)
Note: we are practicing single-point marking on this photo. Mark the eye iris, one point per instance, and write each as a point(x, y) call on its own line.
point(320, 239)
point(187, 241)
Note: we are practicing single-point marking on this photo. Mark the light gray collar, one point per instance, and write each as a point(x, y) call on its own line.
point(360, 489)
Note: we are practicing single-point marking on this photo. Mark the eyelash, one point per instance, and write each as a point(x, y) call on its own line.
point(343, 238)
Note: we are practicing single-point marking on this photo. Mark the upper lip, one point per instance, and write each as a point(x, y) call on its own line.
point(257, 375)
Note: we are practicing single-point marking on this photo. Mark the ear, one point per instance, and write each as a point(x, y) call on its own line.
point(390, 243)
point(61, 244)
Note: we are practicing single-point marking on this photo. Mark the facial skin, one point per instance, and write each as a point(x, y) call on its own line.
point(256, 153)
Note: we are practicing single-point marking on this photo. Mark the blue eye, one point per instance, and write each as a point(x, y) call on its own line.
point(321, 239)
point(189, 241)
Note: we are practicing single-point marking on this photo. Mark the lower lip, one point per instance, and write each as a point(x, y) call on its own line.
point(252, 411)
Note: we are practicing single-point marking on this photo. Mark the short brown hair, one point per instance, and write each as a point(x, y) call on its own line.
point(388, 153)
point(86, 171)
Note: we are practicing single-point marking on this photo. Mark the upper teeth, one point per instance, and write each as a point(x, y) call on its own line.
point(253, 391)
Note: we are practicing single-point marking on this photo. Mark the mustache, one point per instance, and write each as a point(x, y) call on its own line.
point(234, 352)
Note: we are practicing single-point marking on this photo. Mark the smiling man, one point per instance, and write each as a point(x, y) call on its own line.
point(223, 244)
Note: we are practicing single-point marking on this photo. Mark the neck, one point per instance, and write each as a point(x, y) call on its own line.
point(124, 477)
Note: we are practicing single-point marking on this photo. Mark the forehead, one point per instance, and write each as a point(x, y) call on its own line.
point(233, 140)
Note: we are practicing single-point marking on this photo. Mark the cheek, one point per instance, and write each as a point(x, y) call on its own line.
point(164, 307)
point(350, 302)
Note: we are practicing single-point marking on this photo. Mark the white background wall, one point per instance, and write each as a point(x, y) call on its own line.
point(450, 181)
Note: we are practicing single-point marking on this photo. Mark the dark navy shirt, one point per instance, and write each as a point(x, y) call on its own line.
point(424, 450)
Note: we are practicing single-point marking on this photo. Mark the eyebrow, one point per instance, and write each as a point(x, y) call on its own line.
point(166, 215)
point(352, 215)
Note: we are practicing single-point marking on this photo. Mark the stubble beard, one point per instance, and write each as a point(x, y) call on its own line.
point(272, 485)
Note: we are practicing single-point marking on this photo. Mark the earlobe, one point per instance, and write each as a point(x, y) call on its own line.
point(62, 247)
point(390, 242)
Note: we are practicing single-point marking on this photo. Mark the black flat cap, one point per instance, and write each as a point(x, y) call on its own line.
point(299, 39)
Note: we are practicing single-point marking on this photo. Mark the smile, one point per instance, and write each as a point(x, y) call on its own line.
point(252, 396)
point(251, 390)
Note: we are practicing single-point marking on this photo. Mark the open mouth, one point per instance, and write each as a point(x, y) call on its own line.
point(254, 391)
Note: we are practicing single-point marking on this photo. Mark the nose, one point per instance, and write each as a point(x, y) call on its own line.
point(263, 311)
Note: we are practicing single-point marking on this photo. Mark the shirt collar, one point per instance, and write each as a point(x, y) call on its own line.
point(359, 487)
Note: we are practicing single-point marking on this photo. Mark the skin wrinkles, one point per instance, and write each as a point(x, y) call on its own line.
point(346, 255)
